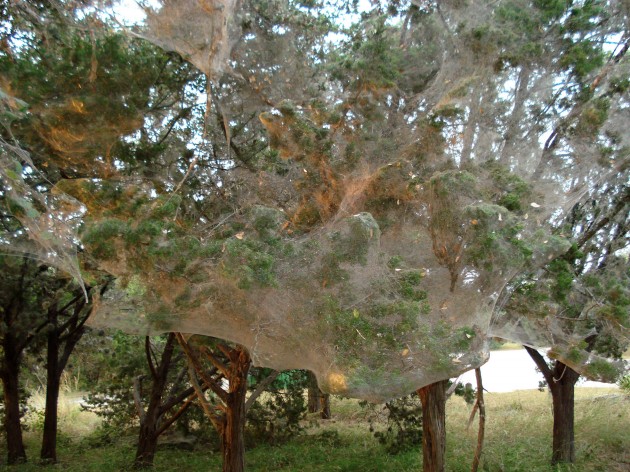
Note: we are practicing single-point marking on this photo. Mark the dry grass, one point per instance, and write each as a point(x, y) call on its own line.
point(518, 438)
point(74, 424)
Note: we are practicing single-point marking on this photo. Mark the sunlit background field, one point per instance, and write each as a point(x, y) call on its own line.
point(518, 438)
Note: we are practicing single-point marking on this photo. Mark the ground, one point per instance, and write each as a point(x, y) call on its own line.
point(518, 438)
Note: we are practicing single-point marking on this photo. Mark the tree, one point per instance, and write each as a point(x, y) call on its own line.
point(147, 381)
point(360, 220)
point(584, 294)
point(66, 317)
point(14, 340)
point(230, 365)
point(39, 308)
point(153, 420)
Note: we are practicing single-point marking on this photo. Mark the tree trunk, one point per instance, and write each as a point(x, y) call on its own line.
point(150, 421)
point(562, 394)
point(433, 398)
point(232, 441)
point(53, 377)
point(482, 421)
point(12, 426)
point(147, 440)
point(10, 384)
point(314, 400)
point(325, 405)
point(561, 381)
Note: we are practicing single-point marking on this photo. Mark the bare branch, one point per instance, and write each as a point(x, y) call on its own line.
point(482, 421)
point(147, 350)
point(540, 363)
point(193, 360)
point(260, 389)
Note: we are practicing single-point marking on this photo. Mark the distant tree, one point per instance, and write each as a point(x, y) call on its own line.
point(276, 416)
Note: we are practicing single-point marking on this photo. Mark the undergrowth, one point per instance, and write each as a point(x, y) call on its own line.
point(518, 438)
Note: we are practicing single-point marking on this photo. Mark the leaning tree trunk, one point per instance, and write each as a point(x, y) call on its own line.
point(232, 441)
point(433, 398)
point(562, 390)
point(10, 384)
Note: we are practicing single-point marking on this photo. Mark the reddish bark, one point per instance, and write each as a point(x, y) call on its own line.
point(433, 398)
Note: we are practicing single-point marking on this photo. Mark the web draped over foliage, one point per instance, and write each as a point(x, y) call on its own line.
point(399, 178)
point(49, 223)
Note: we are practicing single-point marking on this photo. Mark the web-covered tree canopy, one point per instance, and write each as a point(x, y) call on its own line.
point(338, 190)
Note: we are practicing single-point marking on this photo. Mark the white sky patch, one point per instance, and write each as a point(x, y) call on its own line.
point(130, 12)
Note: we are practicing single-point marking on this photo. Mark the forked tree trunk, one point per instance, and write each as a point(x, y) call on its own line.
point(11, 387)
point(150, 420)
point(562, 394)
point(433, 398)
point(232, 441)
point(561, 380)
point(59, 348)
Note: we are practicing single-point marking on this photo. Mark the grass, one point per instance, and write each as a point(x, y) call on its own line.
point(518, 438)
point(508, 346)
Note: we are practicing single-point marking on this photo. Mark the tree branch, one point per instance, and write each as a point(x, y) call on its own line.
point(205, 405)
point(137, 397)
point(215, 360)
point(540, 362)
point(147, 351)
point(167, 423)
point(174, 400)
point(620, 205)
point(193, 361)
point(260, 388)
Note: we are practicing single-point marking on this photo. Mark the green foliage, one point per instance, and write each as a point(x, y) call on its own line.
point(250, 263)
point(514, 193)
point(404, 425)
point(276, 416)
point(600, 368)
point(353, 246)
point(372, 59)
point(582, 58)
point(409, 283)
point(101, 237)
point(563, 278)
point(120, 361)
point(592, 118)
point(495, 238)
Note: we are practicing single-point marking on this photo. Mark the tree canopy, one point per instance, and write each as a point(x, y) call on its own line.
point(338, 187)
